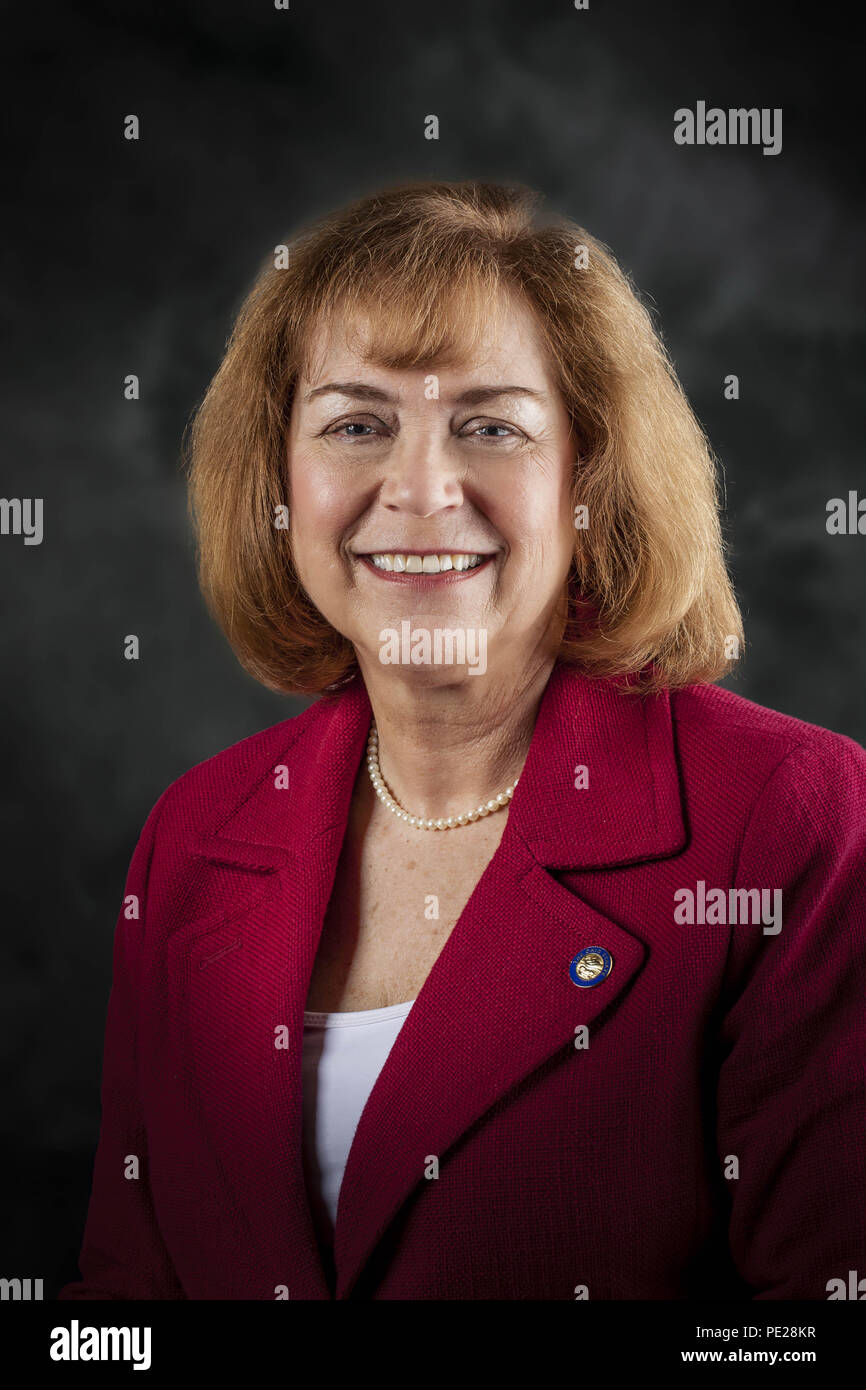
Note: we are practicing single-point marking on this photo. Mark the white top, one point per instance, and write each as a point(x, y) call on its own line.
point(343, 1054)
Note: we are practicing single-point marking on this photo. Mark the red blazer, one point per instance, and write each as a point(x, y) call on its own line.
point(710, 1140)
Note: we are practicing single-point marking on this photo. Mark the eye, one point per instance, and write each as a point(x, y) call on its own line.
point(504, 431)
point(356, 429)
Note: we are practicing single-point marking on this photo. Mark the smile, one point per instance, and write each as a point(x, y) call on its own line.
point(424, 569)
point(414, 563)
point(416, 567)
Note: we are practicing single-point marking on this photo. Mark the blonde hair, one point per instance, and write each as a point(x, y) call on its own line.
point(648, 596)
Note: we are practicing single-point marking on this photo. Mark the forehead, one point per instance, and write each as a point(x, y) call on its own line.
point(501, 340)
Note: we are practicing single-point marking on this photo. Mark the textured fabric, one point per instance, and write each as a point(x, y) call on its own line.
point(710, 1137)
point(343, 1054)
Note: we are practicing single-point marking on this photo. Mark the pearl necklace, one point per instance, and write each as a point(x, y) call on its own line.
point(452, 822)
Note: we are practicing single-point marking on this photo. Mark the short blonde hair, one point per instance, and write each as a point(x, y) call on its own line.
point(648, 595)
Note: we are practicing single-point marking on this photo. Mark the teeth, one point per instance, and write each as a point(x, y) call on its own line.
point(425, 564)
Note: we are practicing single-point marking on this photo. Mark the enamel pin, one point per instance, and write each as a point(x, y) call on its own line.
point(590, 966)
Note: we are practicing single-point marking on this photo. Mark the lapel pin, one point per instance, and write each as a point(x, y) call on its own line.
point(590, 966)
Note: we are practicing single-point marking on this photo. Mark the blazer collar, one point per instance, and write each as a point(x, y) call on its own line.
point(630, 808)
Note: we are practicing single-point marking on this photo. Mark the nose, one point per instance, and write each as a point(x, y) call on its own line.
point(422, 479)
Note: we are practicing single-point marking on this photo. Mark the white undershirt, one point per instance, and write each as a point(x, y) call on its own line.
point(343, 1054)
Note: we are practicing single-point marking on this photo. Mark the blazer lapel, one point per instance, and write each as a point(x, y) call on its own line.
point(239, 974)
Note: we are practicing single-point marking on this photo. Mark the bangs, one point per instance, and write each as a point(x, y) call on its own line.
point(402, 321)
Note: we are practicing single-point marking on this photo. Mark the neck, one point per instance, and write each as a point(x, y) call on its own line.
point(446, 748)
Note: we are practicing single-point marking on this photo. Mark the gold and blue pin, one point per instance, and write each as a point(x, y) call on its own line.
point(590, 966)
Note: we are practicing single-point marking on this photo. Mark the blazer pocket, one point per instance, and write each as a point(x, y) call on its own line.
point(230, 905)
point(206, 960)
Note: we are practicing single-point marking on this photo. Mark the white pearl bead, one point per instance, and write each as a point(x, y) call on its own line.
point(381, 790)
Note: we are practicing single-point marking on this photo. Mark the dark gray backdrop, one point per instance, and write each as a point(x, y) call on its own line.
point(132, 257)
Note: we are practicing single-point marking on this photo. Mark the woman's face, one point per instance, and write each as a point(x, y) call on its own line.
point(402, 481)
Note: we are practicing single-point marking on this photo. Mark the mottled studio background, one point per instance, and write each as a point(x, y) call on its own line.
point(122, 257)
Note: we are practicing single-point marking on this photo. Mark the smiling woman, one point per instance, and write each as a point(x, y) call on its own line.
point(488, 492)
point(357, 1056)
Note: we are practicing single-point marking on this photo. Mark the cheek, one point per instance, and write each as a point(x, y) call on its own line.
point(320, 504)
point(533, 515)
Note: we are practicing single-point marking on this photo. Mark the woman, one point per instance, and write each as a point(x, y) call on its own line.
point(527, 961)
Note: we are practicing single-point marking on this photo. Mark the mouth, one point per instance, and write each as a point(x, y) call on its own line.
point(425, 567)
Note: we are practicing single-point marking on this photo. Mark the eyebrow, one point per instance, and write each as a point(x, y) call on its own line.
point(476, 395)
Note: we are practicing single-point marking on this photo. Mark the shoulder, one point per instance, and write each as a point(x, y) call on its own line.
point(762, 755)
point(227, 776)
point(721, 713)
